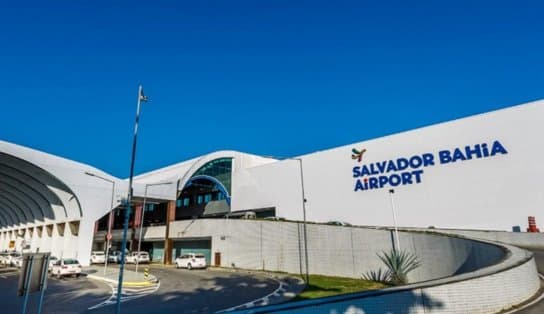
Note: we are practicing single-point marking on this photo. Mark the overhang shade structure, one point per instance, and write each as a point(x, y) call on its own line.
point(185, 173)
point(48, 203)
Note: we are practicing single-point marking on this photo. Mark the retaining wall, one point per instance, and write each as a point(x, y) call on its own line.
point(333, 250)
point(522, 239)
point(488, 290)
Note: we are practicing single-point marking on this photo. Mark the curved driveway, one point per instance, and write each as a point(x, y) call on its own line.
point(180, 291)
point(200, 291)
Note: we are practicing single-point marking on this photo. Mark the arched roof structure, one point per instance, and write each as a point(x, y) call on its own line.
point(38, 188)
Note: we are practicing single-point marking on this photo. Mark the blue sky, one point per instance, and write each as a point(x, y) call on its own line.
point(268, 77)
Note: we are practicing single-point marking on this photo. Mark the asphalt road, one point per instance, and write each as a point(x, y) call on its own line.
point(200, 291)
point(180, 291)
point(68, 295)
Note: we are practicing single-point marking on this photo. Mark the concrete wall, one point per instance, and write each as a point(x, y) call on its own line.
point(520, 239)
point(332, 250)
point(487, 290)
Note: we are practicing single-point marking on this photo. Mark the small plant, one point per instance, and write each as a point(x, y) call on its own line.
point(379, 275)
point(398, 264)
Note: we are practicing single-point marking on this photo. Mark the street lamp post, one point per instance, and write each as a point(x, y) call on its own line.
point(304, 218)
point(142, 221)
point(141, 98)
point(391, 192)
point(108, 236)
point(303, 211)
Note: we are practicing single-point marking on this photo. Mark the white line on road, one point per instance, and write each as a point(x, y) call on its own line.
point(260, 301)
point(126, 295)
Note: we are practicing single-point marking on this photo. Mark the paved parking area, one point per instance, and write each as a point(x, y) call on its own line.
point(68, 295)
point(180, 291)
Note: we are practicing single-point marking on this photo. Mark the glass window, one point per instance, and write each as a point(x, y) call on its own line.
point(199, 199)
point(185, 201)
point(207, 198)
point(221, 169)
point(178, 203)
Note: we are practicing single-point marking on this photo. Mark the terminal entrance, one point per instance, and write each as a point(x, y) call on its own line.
point(199, 246)
point(202, 197)
point(207, 193)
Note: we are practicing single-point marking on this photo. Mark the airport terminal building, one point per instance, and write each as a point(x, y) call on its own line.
point(479, 172)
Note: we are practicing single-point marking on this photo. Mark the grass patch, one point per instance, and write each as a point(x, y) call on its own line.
point(325, 286)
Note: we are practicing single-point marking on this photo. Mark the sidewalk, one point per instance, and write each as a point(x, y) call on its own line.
point(130, 278)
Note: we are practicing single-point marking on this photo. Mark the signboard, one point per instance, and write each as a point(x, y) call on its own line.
point(406, 170)
point(33, 276)
point(12, 244)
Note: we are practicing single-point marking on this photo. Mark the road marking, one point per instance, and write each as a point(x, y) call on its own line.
point(261, 301)
point(127, 294)
point(530, 303)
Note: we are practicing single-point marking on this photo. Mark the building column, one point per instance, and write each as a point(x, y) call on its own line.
point(170, 216)
point(135, 224)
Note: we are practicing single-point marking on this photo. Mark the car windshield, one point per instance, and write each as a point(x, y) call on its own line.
point(199, 256)
point(98, 253)
point(52, 258)
point(70, 262)
point(143, 254)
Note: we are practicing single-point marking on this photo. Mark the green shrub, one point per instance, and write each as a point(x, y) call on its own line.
point(398, 265)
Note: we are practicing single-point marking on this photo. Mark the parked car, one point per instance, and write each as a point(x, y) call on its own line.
point(3, 257)
point(249, 215)
point(190, 261)
point(18, 261)
point(52, 261)
point(274, 218)
point(114, 256)
point(142, 257)
point(9, 260)
point(339, 223)
point(98, 257)
point(66, 267)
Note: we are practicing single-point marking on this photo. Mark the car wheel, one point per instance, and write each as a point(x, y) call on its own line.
point(77, 275)
point(189, 267)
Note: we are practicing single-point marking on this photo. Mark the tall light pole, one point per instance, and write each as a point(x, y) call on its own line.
point(304, 218)
point(108, 236)
point(391, 192)
point(143, 215)
point(303, 211)
point(141, 98)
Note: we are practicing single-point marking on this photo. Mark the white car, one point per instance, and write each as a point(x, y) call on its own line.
point(142, 257)
point(114, 257)
point(190, 261)
point(18, 261)
point(98, 257)
point(66, 267)
point(52, 261)
point(9, 260)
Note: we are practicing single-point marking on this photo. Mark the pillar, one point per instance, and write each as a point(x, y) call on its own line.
point(170, 216)
point(135, 224)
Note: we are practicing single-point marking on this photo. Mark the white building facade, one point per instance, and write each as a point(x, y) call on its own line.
point(480, 172)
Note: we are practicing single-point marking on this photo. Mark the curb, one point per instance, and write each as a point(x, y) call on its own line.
point(148, 283)
point(8, 270)
point(536, 299)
